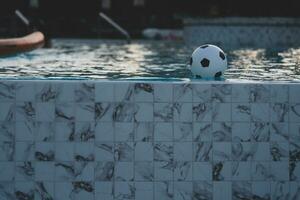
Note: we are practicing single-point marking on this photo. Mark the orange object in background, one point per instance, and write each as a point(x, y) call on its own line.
point(23, 44)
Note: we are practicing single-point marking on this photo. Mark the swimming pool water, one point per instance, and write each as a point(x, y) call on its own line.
point(114, 59)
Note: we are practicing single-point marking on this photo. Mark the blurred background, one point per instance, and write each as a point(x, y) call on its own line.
point(79, 18)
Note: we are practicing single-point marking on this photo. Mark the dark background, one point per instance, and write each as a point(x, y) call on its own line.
point(79, 18)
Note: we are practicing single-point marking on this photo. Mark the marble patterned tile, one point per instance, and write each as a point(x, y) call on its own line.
point(124, 171)
point(84, 92)
point(241, 112)
point(260, 112)
point(241, 132)
point(84, 151)
point(183, 190)
point(241, 190)
point(63, 190)
point(183, 131)
point(259, 93)
point(260, 171)
point(202, 112)
point(202, 151)
point(8, 91)
point(183, 171)
point(64, 151)
point(201, 93)
point(24, 171)
point(279, 132)
point(163, 92)
point(104, 132)
point(44, 151)
point(183, 151)
point(294, 93)
point(24, 151)
point(202, 171)
point(25, 111)
point(294, 190)
point(124, 190)
point(260, 131)
point(222, 190)
point(45, 112)
point(279, 112)
point(182, 93)
point(7, 171)
point(240, 93)
point(124, 92)
point(163, 151)
point(124, 151)
point(7, 131)
point(7, 189)
point(104, 111)
point(279, 171)
point(222, 151)
point(124, 112)
point(7, 151)
point(294, 112)
point(124, 132)
point(164, 190)
point(143, 131)
point(44, 190)
point(202, 190)
point(65, 131)
point(45, 131)
point(104, 151)
point(65, 112)
point(221, 112)
point(46, 92)
point(279, 93)
point(221, 93)
point(243, 151)
point(85, 112)
point(202, 131)
point(294, 132)
point(163, 132)
point(104, 92)
point(261, 190)
point(240, 171)
point(279, 151)
point(143, 92)
point(44, 171)
point(82, 190)
point(143, 171)
point(221, 131)
point(183, 112)
point(65, 92)
point(163, 112)
point(104, 171)
point(144, 112)
point(84, 131)
point(24, 190)
point(280, 190)
point(143, 151)
point(294, 170)
point(222, 171)
point(7, 113)
point(104, 190)
point(163, 171)
point(144, 191)
point(25, 131)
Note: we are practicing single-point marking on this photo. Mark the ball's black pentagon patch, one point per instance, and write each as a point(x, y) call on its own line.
point(221, 54)
point(218, 74)
point(204, 46)
point(198, 76)
point(204, 62)
point(191, 60)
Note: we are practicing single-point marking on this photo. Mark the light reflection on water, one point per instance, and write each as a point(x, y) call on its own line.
point(97, 59)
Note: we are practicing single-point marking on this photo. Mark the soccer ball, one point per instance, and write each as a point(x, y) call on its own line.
point(208, 61)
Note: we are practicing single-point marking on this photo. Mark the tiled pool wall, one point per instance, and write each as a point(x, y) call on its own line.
point(109, 140)
point(232, 33)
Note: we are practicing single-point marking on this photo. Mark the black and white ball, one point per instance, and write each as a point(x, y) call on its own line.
point(208, 61)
